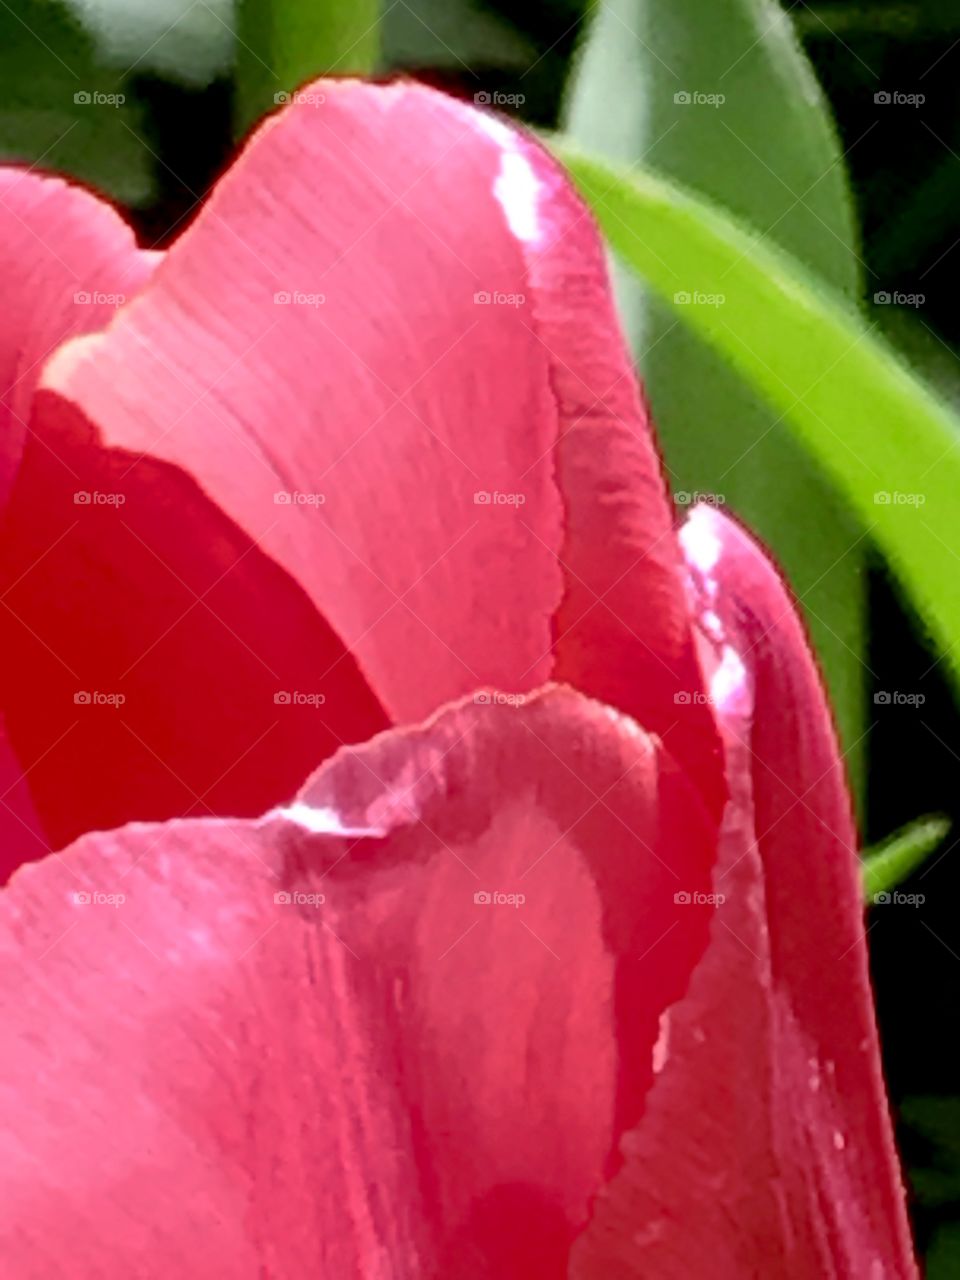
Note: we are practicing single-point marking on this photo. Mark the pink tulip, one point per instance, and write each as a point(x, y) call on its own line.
point(561, 970)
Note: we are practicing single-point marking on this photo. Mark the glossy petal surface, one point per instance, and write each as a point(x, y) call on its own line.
point(393, 312)
point(765, 1145)
point(380, 1064)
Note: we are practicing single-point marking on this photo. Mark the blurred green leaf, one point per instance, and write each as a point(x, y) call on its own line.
point(943, 1255)
point(935, 1118)
point(888, 864)
point(457, 34)
point(885, 439)
point(62, 110)
point(718, 95)
point(182, 40)
point(895, 19)
point(282, 44)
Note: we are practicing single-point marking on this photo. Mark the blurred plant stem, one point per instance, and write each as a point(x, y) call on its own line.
point(282, 44)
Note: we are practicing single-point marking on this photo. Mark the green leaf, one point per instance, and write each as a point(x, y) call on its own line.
point(456, 34)
point(943, 1255)
point(888, 864)
point(182, 40)
point(282, 44)
point(935, 1119)
point(887, 442)
point(62, 110)
point(718, 95)
point(923, 19)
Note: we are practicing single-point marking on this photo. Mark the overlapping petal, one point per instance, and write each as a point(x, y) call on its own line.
point(399, 1067)
point(765, 1144)
point(68, 261)
point(393, 312)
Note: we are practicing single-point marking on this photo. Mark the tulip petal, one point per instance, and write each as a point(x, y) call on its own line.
point(22, 837)
point(145, 639)
point(765, 1147)
point(66, 260)
point(393, 313)
point(157, 663)
point(395, 1069)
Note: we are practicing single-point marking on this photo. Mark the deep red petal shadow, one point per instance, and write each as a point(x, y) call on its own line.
point(120, 579)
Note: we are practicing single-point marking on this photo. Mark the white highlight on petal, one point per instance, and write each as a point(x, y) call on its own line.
point(700, 544)
point(516, 187)
point(518, 191)
point(321, 822)
point(661, 1050)
point(730, 678)
point(729, 682)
